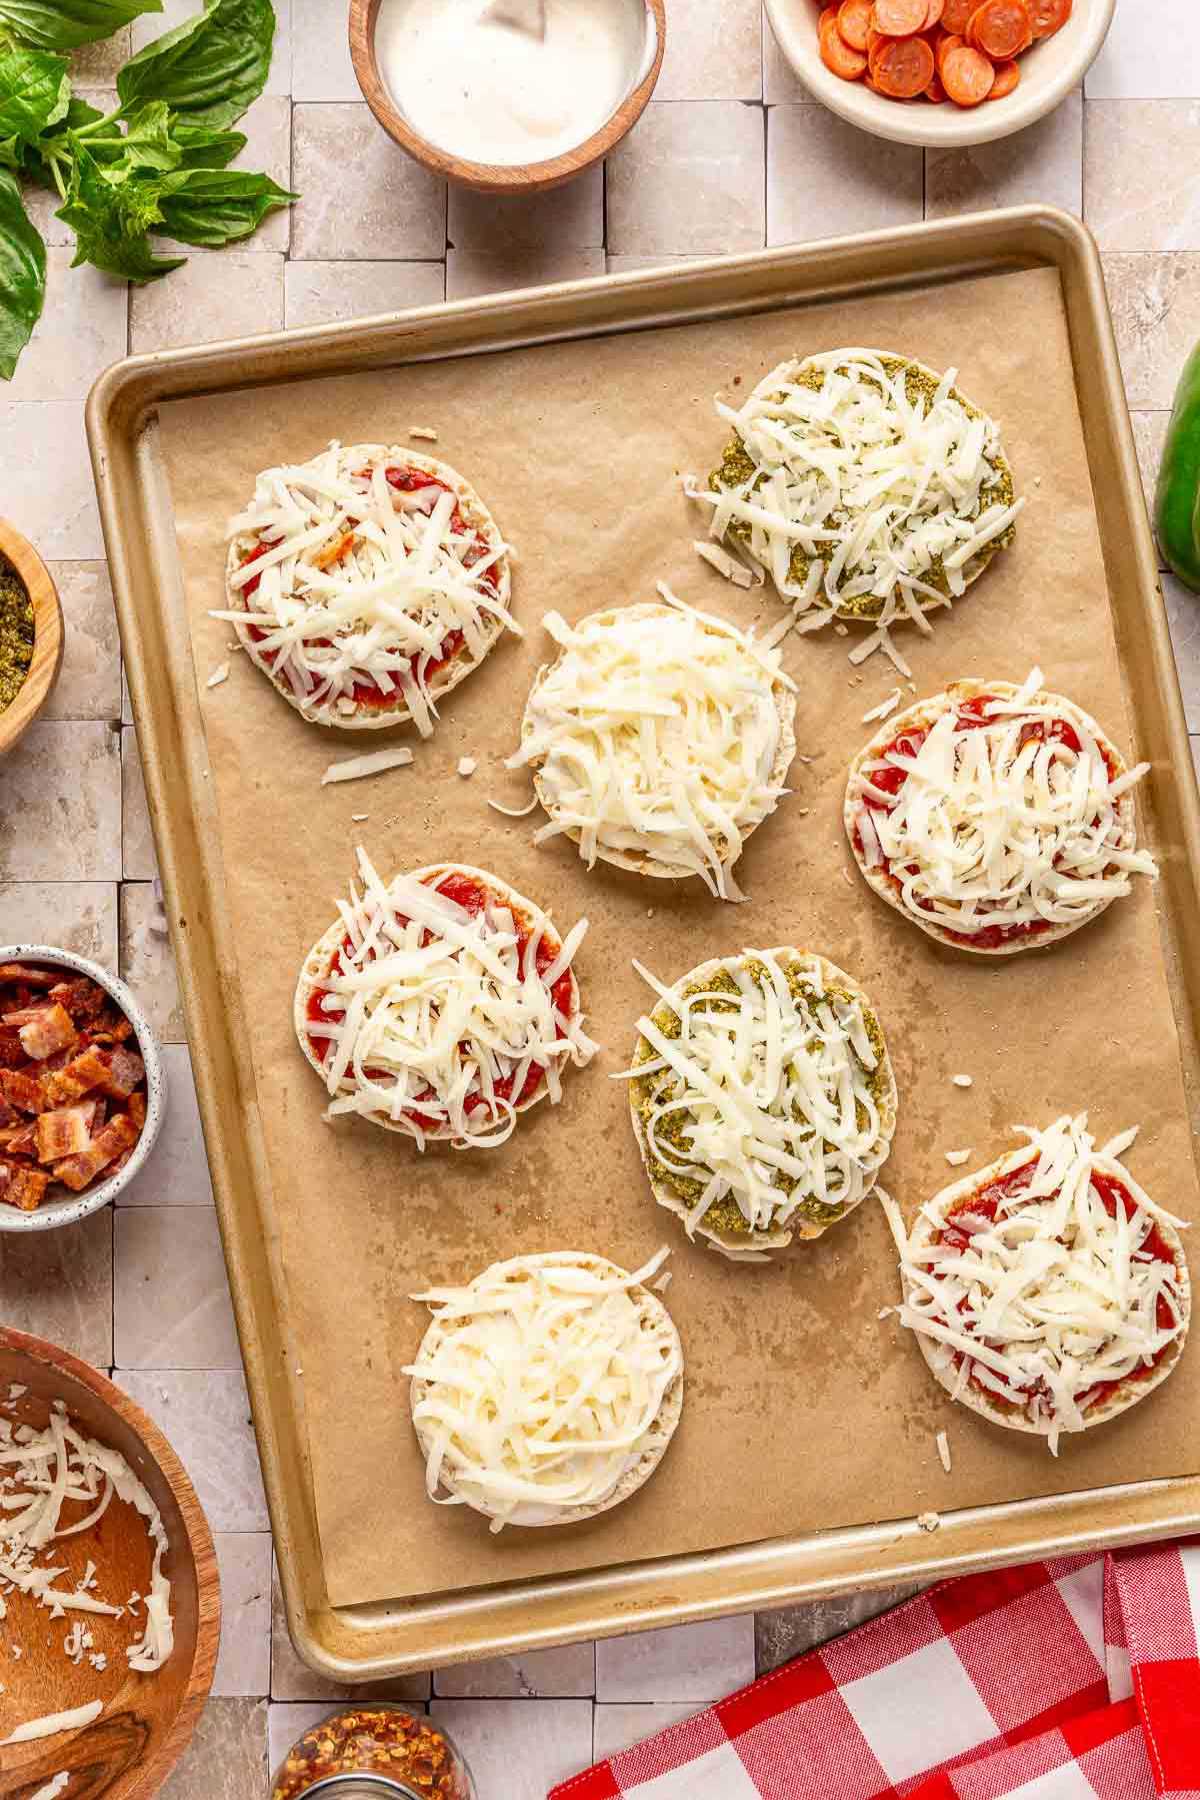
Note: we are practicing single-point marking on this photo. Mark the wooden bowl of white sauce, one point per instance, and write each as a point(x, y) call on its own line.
point(507, 96)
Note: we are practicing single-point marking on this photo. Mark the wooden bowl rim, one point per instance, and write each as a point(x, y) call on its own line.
point(201, 1547)
point(47, 634)
point(497, 178)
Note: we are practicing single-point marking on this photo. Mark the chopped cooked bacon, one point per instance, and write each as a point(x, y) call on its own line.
point(21, 1140)
point(119, 1135)
point(81, 1075)
point(72, 1089)
point(22, 1188)
point(44, 1030)
point(27, 975)
point(63, 1132)
point(23, 1092)
point(84, 999)
point(125, 1070)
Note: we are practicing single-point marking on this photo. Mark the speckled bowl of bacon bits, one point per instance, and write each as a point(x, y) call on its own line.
point(81, 1087)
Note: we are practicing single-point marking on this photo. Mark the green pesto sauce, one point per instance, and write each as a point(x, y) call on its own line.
point(738, 466)
point(726, 1215)
point(16, 635)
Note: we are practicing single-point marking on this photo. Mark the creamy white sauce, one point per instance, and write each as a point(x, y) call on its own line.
point(495, 93)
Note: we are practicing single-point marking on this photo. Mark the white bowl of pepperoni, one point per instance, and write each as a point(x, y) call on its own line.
point(81, 1087)
point(941, 73)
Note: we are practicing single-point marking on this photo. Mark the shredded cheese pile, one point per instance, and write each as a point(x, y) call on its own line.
point(774, 1083)
point(888, 499)
point(362, 584)
point(538, 1388)
point(1052, 1296)
point(434, 1007)
point(987, 830)
point(40, 1472)
point(658, 735)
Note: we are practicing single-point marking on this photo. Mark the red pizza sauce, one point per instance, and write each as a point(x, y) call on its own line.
point(367, 692)
point(986, 1202)
point(473, 896)
point(971, 716)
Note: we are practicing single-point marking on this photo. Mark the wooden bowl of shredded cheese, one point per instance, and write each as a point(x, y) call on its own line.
point(111, 1597)
point(25, 684)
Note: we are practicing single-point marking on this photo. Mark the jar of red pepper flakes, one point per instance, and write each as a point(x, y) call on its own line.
point(376, 1752)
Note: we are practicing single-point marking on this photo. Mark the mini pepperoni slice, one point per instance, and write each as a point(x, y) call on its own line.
point(967, 76)
point(935, 92)
point(1001, 29)
point(1049, 16)
point(947, 42)
point(904, 68)
point(933, 14)
point(836, 53)
point(956, 15)
point(899, 18)
point(854, 22)
point(1008, 74)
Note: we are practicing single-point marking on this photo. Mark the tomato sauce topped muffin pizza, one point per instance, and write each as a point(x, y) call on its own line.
point(367, 583)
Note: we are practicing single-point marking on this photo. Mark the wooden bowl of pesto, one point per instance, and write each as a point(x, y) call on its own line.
point(31, 634)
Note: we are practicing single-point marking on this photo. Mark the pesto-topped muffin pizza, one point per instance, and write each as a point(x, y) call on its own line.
point(865, 484)
point(763, 1098)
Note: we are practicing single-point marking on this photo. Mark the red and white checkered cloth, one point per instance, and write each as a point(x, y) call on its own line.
point(1077, 1679)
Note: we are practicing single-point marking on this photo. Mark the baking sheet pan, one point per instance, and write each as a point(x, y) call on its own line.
point(779, 1359)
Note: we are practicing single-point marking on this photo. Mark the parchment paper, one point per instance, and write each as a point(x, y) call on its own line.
point(802, 1409)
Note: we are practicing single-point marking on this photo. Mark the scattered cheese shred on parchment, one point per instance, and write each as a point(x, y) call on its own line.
point(423, 431)
point(963, 1081)
point(943, 1450)
point(929, 1521)
point(719, 558)
point(354, 767)
point(884, 708)
point(467, 766)
point(219, 674)
point(956, 1158)
point(513, 812)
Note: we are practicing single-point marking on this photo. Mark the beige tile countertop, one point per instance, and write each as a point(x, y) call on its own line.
point(730, 156)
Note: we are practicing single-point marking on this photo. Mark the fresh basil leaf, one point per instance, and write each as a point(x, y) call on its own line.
point(212, 67)
point(111, 219)
point(35, 90)
point(65, 24)
point(203, 148)
point(217, 206)
point(22, 274)
point(147, 142)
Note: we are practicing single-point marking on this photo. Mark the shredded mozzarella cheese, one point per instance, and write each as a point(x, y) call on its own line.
point(773, 1082)
point(39, 1473)
point(364, 585)
point(1052, 1295)
point(872, 490)
point(540, 1385)
point(658, 733)
point(435, 1016)
point(998, 824)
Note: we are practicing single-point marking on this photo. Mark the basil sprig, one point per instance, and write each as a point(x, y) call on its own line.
point(156, 167)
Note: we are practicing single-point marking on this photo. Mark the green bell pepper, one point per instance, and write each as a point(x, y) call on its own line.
point(1177, 499)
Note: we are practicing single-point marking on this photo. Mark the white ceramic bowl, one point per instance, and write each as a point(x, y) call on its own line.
point(1048, 73)
point(66, 1208)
